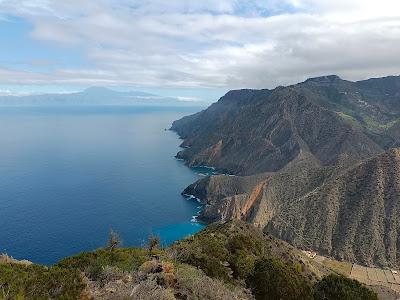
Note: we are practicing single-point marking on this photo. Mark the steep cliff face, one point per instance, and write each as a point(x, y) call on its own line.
point(350, 214)
point(225, 196)
point(252, 131)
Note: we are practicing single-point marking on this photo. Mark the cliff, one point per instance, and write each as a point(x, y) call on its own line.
point(347, 214)
point(315, 152)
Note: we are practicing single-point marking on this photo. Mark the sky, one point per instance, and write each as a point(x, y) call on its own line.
point(195, 49)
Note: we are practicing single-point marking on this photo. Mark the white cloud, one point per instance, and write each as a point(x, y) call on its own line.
point(228, 43)
point(5, 92)
point(188, 99)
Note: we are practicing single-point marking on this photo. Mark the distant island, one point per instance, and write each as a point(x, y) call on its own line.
point(95, 96)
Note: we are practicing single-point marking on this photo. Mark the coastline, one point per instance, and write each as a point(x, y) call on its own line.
point(125, 179)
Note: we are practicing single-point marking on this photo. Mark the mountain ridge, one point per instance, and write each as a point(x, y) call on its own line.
point(310, 150)
point(276, 125)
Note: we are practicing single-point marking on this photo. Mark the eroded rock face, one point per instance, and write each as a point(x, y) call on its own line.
point(349, 214)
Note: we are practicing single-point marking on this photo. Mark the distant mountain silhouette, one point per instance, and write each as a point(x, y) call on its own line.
point(93, 96)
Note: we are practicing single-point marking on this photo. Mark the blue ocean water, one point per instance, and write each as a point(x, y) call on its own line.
point(69, 175)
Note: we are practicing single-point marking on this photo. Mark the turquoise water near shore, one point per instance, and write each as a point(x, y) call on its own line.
point(68, 175)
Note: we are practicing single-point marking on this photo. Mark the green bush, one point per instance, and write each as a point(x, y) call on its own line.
point(244, 242)
point(206, 252)
point(38, 282)
point(220, 255)
point(274, 279)
point(92, 263)
point(334, 287)
point(242, 264)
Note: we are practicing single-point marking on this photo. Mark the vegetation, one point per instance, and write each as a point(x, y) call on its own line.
point(341, 267)
point(154, 243)
point(376, 125)
point(19, 281)
point(334, 287)
point(114, 241)
point(224, 256)
point(349, 119)
point(195, 284)
point(225, 261)
point(93, 263)
point(273, 279)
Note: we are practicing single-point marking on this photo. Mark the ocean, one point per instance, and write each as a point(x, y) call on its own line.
point(70, 174)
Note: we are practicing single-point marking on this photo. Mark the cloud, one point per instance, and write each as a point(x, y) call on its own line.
point(188, 99)
point(227, 43)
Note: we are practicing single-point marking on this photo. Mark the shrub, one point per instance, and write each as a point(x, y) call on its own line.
point(274, 279)
point(149, 289)
point(38, 282)
point(242, 264)
point(108, 274)
point(154, 243)
point(194, 284)
point(298, 267)
point(168, 267)
point(334, 287)
point(207, 253)
point(242, 242)
point(167, 280)
point(149, 267)
point(92, 263)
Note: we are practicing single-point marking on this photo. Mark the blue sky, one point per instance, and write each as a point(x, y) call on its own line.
point(192, 49)
point(19, 51)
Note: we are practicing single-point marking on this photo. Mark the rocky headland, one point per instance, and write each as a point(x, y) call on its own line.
point(316, 164)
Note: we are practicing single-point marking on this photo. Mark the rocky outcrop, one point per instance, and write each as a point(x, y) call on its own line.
point(8, 260)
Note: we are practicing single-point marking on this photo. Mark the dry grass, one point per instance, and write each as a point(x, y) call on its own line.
point(343, 268)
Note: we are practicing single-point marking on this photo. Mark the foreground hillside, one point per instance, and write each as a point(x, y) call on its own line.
point(225, 261)
point(312, 161)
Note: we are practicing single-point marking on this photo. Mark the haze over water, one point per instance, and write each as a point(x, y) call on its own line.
point(69, 175)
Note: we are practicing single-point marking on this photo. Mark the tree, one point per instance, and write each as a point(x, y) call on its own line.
point(334, 287)
point(154, 243)
point(114, 241)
